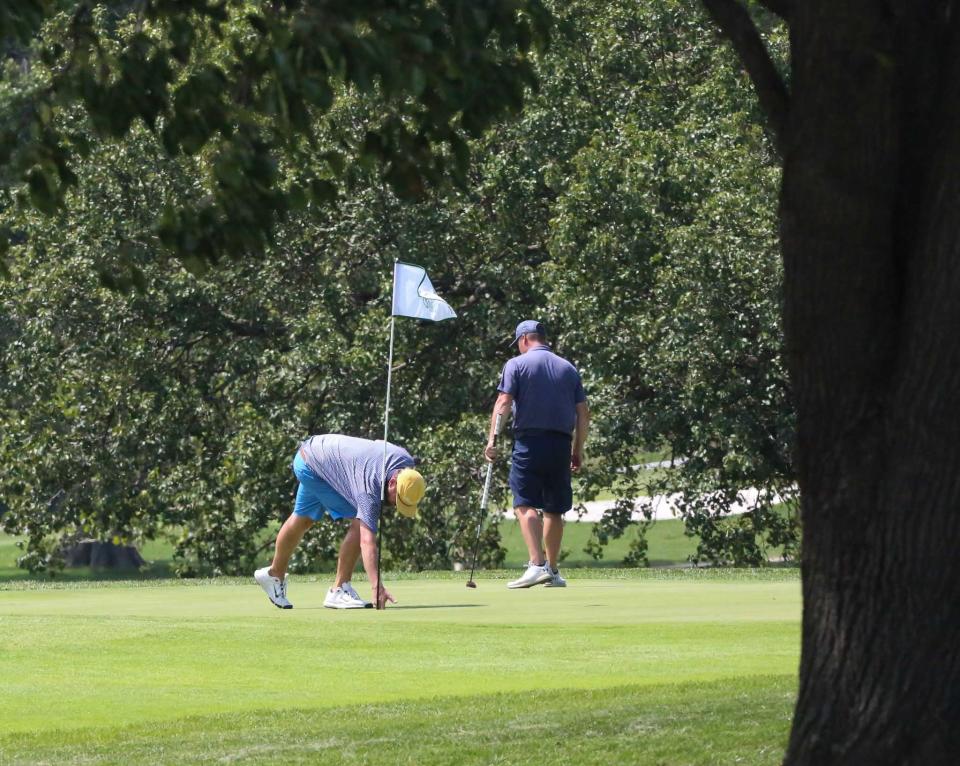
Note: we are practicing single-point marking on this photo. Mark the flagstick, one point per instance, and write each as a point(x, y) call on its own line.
point(383, 471)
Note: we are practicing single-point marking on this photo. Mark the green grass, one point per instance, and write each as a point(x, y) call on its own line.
point(738, 721)
point(668, 546)
point(670, 667)
point(8, 556)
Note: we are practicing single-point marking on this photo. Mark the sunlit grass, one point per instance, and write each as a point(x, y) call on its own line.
point(649, 666)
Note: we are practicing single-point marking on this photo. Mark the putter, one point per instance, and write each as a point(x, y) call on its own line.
point(483, 506)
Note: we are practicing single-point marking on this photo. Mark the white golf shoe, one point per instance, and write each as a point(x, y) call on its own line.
point(347, 587)
point(274, 587)
point(555, 581)
point(535, 574)
point(340, 598)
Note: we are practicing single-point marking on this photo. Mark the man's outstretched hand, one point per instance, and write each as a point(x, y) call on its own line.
point(381, 596)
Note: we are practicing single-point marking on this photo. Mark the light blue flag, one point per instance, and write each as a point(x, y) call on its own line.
point(413, 295)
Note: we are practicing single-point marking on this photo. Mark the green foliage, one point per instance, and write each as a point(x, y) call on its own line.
point(630, 206)
point(666, 281)
point(246, 83)
point(180, 403)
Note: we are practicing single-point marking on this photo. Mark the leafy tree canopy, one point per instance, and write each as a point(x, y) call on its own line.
point(243, 85)
point(623, 206)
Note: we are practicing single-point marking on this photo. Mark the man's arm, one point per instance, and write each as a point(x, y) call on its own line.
point(368, 552)
point(579, 436)
point(501, 407)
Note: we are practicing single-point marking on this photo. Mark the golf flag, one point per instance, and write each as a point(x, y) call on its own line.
point(413, 295)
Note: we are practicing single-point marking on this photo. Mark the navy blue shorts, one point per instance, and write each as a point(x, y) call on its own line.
point(540, 472)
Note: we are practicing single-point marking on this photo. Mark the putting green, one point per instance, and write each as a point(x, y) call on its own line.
point(108, 655)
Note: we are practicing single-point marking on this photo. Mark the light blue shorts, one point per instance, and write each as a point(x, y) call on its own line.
point(315, 497)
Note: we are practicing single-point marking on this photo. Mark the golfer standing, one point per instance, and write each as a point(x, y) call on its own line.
point(550, 421)
point(341, 476)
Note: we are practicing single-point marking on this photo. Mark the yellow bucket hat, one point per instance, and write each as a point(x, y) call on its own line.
point(410, 490)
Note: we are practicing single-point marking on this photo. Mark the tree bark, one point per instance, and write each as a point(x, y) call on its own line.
point(100, 555)
point(870, 231)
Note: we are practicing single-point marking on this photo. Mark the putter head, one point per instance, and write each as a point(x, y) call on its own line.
point(471, 584)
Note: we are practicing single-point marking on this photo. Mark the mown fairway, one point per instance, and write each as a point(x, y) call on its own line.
point(649, 667)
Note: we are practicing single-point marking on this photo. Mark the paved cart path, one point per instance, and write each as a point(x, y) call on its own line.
point(663, 506)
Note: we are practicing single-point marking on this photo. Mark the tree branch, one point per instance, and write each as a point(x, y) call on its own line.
point(735, 24)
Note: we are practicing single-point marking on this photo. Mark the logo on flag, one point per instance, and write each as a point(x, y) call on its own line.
point(414, 296)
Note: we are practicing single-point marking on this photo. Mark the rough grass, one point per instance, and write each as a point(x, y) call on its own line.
point(656, 666)
point(735, 721)
point(668, 546)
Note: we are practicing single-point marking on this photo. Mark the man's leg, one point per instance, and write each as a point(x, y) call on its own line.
point(291, 533)
point(558, 499)
point(349, 553)
point(532, 529)
point(343, 595)
point(553, 536)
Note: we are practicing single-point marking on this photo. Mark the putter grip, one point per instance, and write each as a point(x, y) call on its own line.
point(486, 487)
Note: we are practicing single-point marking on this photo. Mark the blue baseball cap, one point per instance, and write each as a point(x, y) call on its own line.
point(528, 326)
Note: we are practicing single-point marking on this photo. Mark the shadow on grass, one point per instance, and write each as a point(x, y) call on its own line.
point(435, 606)
point(402, 606)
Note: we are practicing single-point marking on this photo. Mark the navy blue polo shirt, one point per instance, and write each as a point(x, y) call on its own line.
point(546, 390)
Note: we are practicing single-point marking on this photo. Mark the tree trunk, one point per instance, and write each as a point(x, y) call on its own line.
point(92, 553)
point(870, 226)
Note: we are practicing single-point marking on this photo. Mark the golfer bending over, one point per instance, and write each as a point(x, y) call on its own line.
point(549, 404)
point(340, 476)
